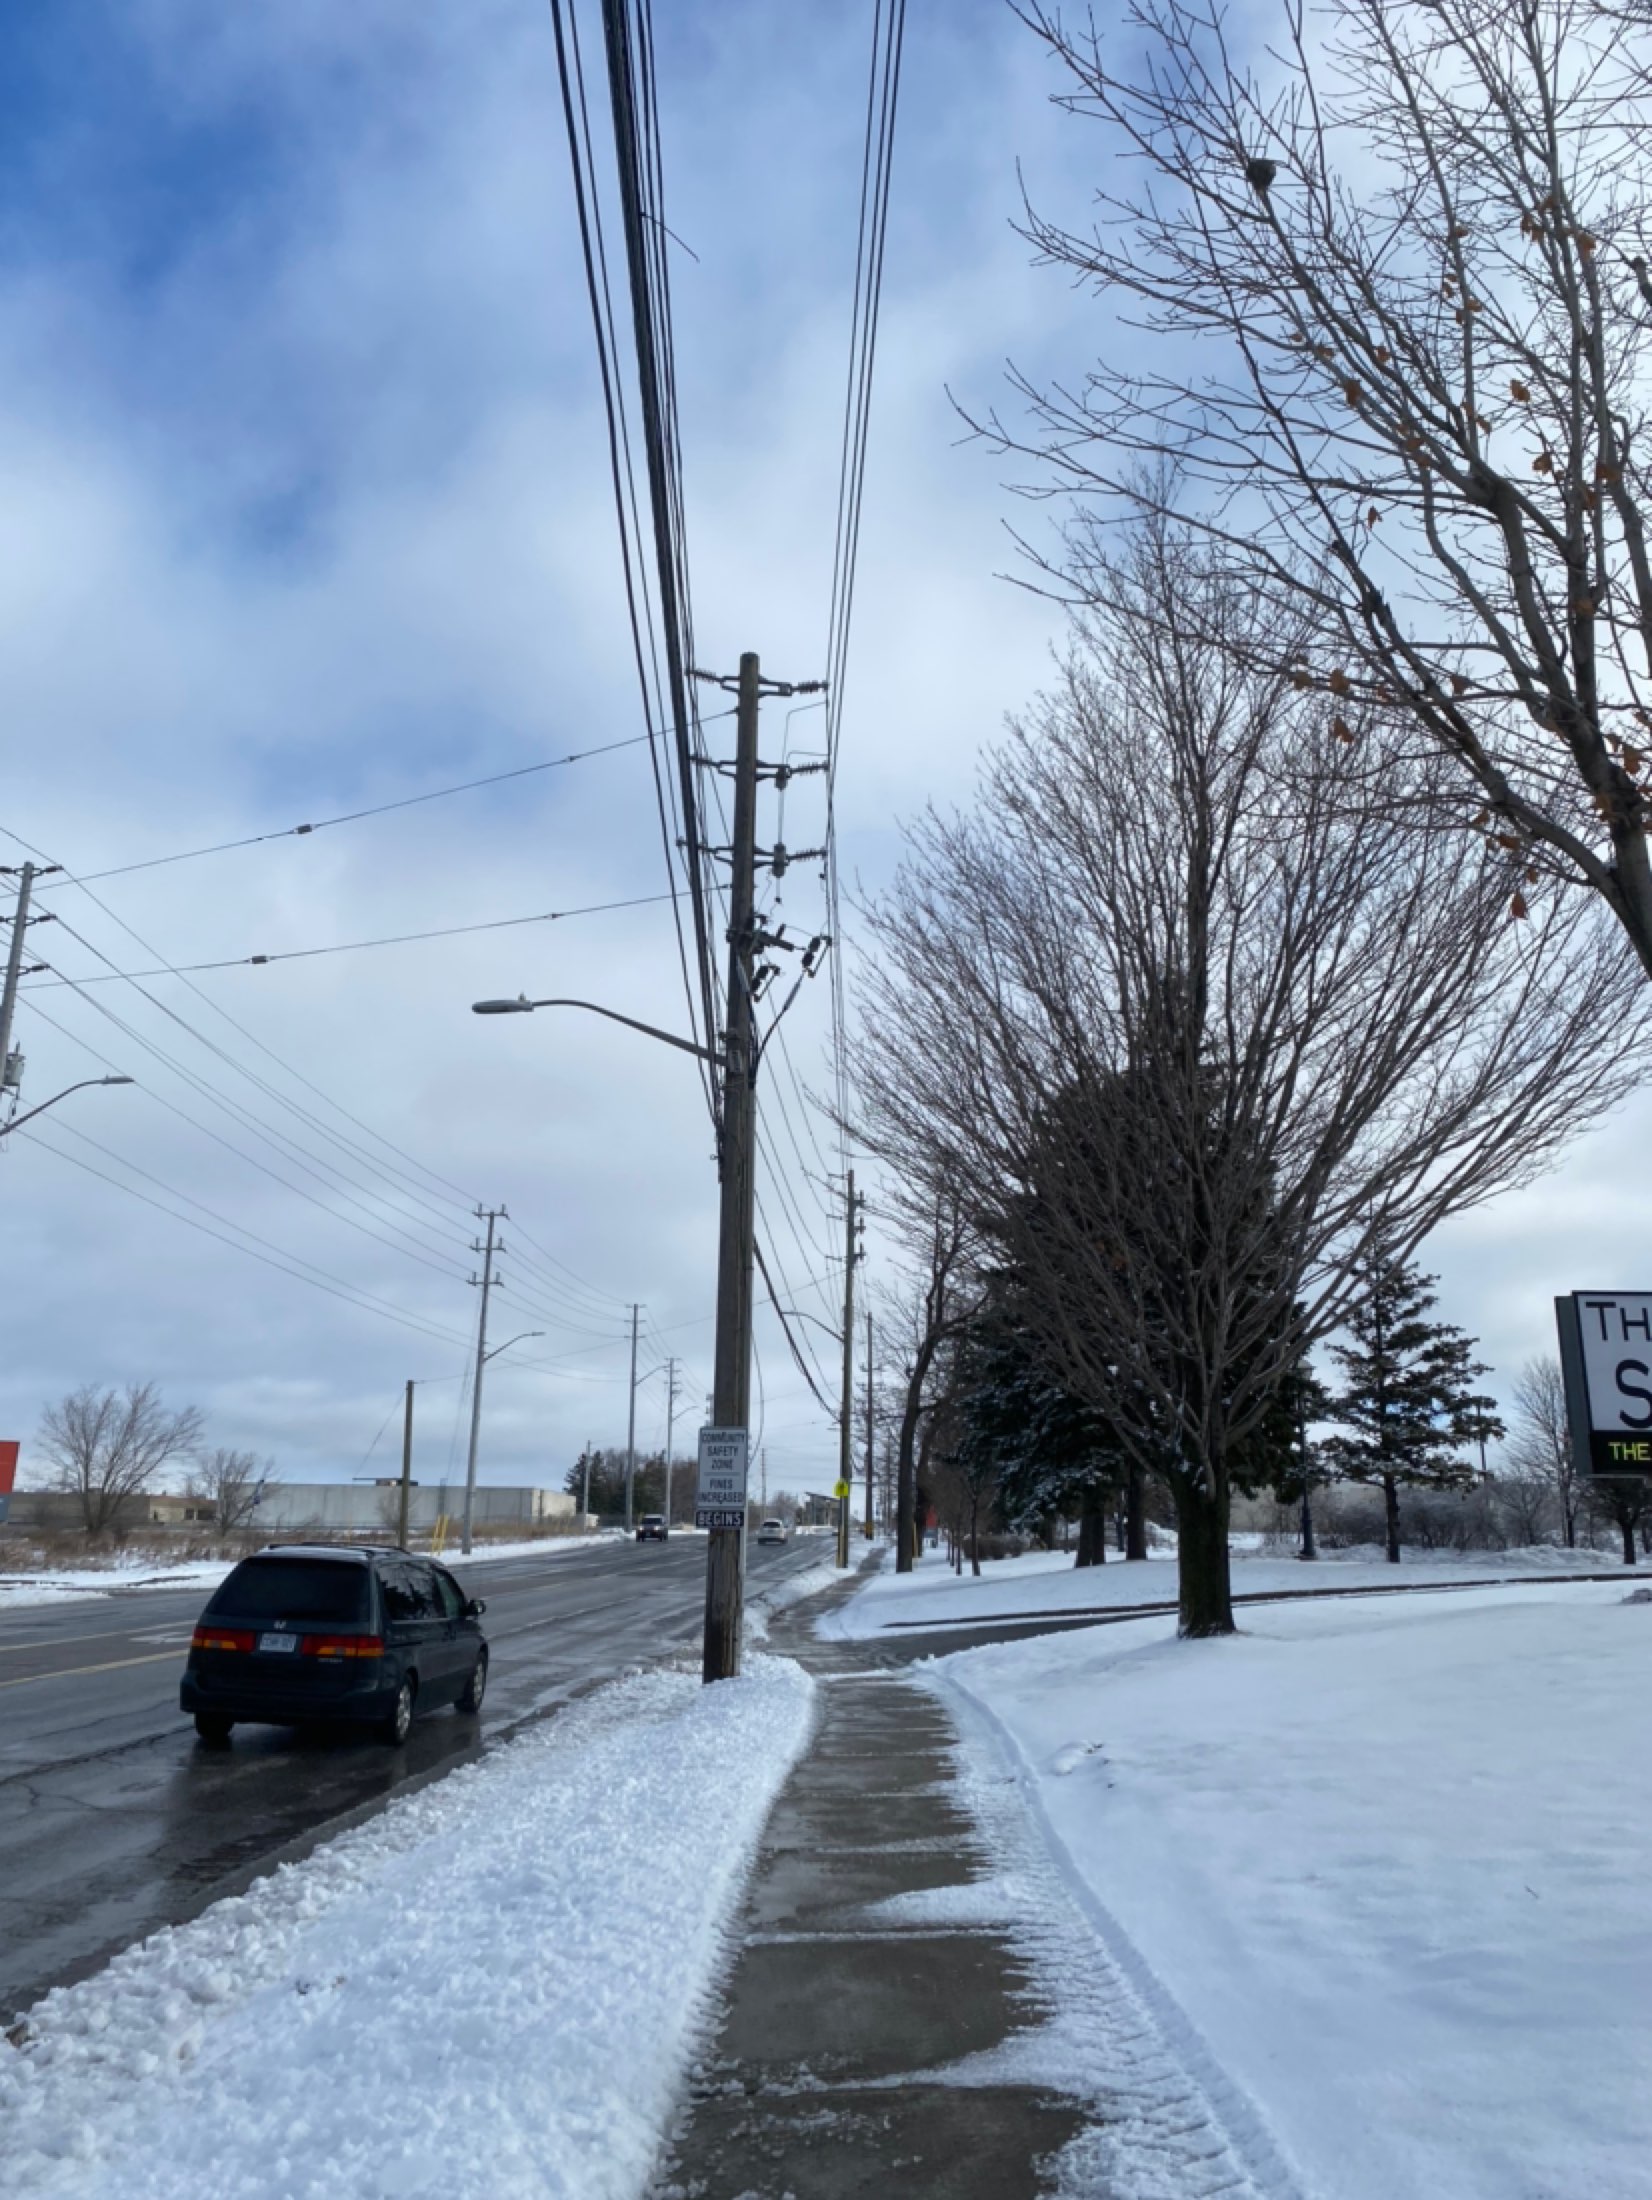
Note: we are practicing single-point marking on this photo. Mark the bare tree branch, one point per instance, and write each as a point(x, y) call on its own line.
point(1383, 303)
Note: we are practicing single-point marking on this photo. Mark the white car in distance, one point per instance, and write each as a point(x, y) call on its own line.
point(772, 1531)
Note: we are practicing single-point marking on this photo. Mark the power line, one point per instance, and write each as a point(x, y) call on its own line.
point(351, 947)
point(325, 1172)
point(786, 1330)
point(446, 1190)
point(411, 1250)
point(882, 99)
point(271, 1259)
point(587, 198)
point(353, 817)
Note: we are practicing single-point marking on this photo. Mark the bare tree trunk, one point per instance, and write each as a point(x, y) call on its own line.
point(975, 1534)
point(906, 1476)
point(1092, 1528)
point(1135, 1514)
point(1391, 1517)
point(1206, 1592)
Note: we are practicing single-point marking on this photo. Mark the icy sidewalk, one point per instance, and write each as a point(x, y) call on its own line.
point(490, 1990)
point(918, 2004)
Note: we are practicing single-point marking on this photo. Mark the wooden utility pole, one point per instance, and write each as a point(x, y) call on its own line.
point(14, 967)
point(731, 1380)
point(670, 1424)
point(486, 1280)
point(845, 1417)
point(871, 1514)
point(631, 1430)
point(407, 1469)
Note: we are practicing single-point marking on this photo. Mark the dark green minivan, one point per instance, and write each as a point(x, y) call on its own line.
point(310, 1632)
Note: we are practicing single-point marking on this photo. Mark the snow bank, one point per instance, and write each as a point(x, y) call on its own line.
point(1377, 1862)
point(491, 1988)
point(52, 1584)
point(1047, 1582)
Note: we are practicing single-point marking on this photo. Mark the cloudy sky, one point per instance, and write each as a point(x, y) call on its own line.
point(307, 512)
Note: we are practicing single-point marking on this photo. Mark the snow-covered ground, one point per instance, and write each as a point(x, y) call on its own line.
point(493, 1988)
point(1374, 1864)
point(1046, 1582)
point(51, 1585)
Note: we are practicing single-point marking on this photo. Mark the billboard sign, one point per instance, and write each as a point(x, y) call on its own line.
point(8, 1474)
point(720, 1492)
point(1606, 1356)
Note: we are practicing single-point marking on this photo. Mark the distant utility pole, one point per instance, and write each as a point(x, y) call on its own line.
point(10, 1078)
point(407, 1470)
point(763, 1456)
point(670, 1424)
point(631, 1425)
point(871, 1519)
point(487, 1251)
point(585, 1487)
point(846, 1416)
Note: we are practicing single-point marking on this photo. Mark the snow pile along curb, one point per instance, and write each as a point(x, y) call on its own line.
point(493, 1987)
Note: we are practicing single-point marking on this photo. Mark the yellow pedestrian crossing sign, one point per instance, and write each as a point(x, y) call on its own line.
point(840, 1489)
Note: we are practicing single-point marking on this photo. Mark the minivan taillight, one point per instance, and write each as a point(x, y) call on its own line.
point(342, 1646)
point(221, 1638)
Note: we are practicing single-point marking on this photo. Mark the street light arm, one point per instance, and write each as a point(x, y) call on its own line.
point(802, 1314)
point(521, 1337)
point(522, 1005)
point(17, 1121)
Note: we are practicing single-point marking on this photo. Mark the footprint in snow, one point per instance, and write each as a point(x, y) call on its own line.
point(1069, 1759)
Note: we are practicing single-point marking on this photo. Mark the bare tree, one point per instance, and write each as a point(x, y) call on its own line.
point(106, 1446)
point(1398, 328)
point(1188, 1024)
point(235, 1483)
point(1540, 1447)
point(934, 1313)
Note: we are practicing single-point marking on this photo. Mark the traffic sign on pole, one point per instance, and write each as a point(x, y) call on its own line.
point(720, 1492)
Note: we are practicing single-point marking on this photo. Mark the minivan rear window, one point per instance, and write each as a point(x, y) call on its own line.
point(293, 1588)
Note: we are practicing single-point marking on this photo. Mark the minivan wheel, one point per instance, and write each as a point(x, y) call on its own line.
point(213, 1729)
point(400, 1720)
point(475, 1687)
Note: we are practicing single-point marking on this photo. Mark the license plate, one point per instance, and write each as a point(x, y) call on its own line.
point(278, 1642)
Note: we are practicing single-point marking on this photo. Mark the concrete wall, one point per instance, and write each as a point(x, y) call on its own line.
point(358, 1505)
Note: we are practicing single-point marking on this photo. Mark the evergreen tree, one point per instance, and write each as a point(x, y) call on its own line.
point(1290, 1465)
point(1047, 1453)
point(1406, 1401)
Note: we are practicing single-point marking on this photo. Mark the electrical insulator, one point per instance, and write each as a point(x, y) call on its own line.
point(11, 1076)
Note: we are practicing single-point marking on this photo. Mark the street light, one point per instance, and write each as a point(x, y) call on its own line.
point(482, 1358)
point(736, 1064)
point(18, 1121)
point(522, 1006)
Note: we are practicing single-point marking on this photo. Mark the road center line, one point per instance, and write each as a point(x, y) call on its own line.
point(68, 1672)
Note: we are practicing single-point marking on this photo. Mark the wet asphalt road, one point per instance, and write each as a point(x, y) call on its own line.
point(113, 1821)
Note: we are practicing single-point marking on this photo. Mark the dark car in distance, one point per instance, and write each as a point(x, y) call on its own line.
point(651, 1528)
point(311, 1632)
